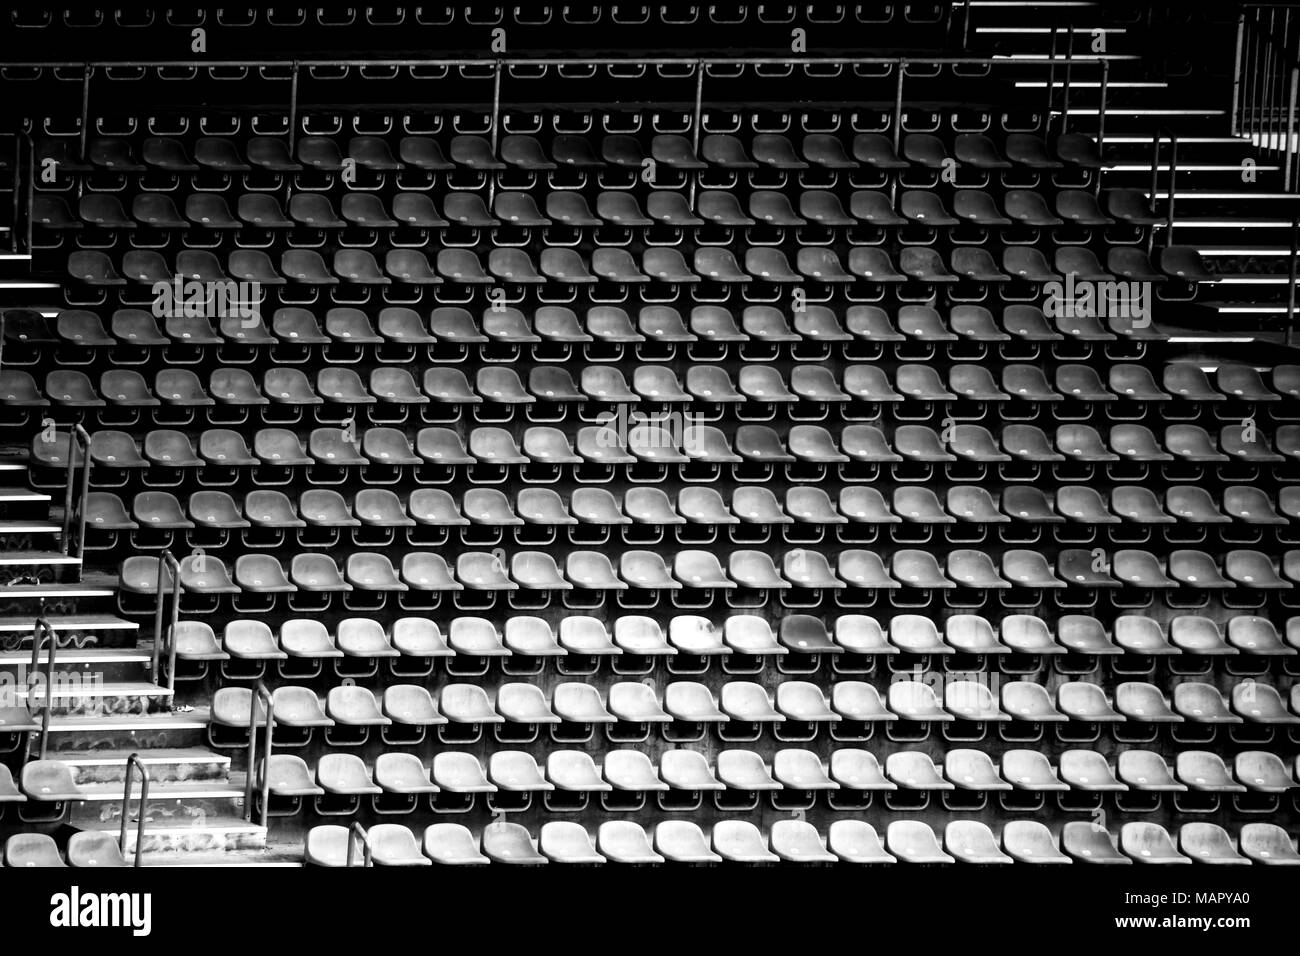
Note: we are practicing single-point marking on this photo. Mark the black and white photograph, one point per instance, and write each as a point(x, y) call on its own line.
point(792, 468)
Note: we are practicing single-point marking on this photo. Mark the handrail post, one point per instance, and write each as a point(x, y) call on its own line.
point(1290, 286)
point(174, 568)
point(901, 66)
point(42, 630)
point(87, 70)
point(1290, 128)
point(1101, 121)
point(1236, 73)
point(1173, 176)
point(1051, 87)
point(260, 695)
point(1065, 91)
point(133, 763)
point(17, 186)
point(31, 187)
point(77, 439)
point(293, 105)
point(696, 122)
point(357, 832)
point(496, 123)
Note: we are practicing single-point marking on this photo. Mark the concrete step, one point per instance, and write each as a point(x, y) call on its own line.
point(18, 503)
point(83, 734)
point(205, 836)
point(168, 765)
point(75, 632)
point(74, 666)
point(84, 694)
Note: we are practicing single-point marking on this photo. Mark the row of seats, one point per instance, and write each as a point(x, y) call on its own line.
point(455, 327)
point(205, 574)
point(681, 841)
point(752, 505)
point(659, 445)
point(799, 770)
point(568, 208)
point(650, 384)
point(795, 841)
point(799, 701)
point(584, 636)
point(616, 264)
point(571, 152)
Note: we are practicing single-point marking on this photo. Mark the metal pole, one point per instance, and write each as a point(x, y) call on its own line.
point(17, 184)
point(1101, 121)
point(1252, 49)
point(1051, 87)
point(496, 120)
point(293, 106)
point(266, 775)
point(1065, 93)
point(1173, 173)
point(1236, 74)
point(1290, 128)
point(158, 613)
point(85, 110)
point(31, 187)
point(1290, 286)
point(696, 122)
point(901, 67)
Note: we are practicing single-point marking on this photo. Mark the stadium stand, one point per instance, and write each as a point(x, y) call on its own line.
point(795, 439)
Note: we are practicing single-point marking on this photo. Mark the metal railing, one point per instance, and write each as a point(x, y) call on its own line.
point(169, 636)
point(1155, 183)
point(78, 439)
point(1265, 84)
point(260, 695)
point(134, 763)
point(357, 832)
point(42, 631)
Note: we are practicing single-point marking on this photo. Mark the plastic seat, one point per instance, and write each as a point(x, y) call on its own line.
point(1031, 770)
point(1267, 843)
point(973, 842)
point(1144, 702)
point(32, 849)
point(914, 842)
point(1086, 842)
point(1088, 770)
point(451, 844)
point(1149, 843)
point(912, 700)
point(1087, 702)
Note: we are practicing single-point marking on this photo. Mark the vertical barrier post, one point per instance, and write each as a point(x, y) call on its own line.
point(496, 123)
point(1290, 288)
point(696, 121)
point(1101, 121)
point(1236, 74)
point(1065, 91)
point(901, 66)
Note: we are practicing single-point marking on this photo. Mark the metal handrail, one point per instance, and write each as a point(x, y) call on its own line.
point(134, 762)
point(172, 565)
point(355, 832)
point(1155, 183)
point(260, 694)
point(534, 61)
point(77, 439)
point(41, 630)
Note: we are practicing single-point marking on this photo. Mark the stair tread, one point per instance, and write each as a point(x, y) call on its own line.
point(162, 790)
point(37, 557)
point(153, 755)
point(96, 688)
point(69, 621)
point(197, 719)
